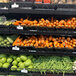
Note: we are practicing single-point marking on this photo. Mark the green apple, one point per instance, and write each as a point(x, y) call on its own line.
point(14, 62)
point(28, 62)
point(21, 66)
point(0, 65)
point(6, 65)
point(3, 60)
point(14, 68)
point(9, 60)
point(23, 57)
point(18, 59)
point(19, 63)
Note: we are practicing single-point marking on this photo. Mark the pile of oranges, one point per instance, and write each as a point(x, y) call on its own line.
point(46, 41)
point(53, 23)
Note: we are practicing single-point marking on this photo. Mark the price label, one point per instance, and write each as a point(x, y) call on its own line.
point(33, 30)
point(15, 48)
point(20, 27)
point(32, 50)
point(74, 52)
point(74, 32)
point(24, 71)
point(5, 8)
point(14, 5)
point(26, 8)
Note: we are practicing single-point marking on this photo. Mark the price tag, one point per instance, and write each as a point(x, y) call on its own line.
point(15, 48)
point(5, 8)
point(74, 32)
point(20, 27)
point(74, 52)
point(32, 50)
point(24, 71)
point(26, 8)
point(14, 5)
point(33, 30)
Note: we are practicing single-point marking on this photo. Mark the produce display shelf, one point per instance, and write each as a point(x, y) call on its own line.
point(4, 5)
point(4, 29)
point(44, 11)
point(22, 4)
point(45, 51)
point(54, 6)
point(36, 31)
point(32, 8)
point(4, 8)
point(38, 51)
point(8, 72)
point(41, 31)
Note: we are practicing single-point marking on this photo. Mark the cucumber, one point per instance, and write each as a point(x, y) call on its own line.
point(8, 43)
point(2, 42)
point(1, 38)
point(9, 39)
point(5, 44)
point(5, 40)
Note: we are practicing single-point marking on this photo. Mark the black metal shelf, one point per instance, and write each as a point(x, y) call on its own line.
point(8, 72)
point(38, 51)
point(32, 8)
point(36, 31)
point(44, 11)
point(4, 29)
point(42, 31)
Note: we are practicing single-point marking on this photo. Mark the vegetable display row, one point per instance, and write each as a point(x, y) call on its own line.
point(43, 64)
point(38, 41)
point(46, 41)
point(69, 23)
point(53, 23)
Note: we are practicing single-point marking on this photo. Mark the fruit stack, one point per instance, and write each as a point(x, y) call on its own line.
point(41, 64)
point(16, 62)
point(5, 61)
point(22, 62)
